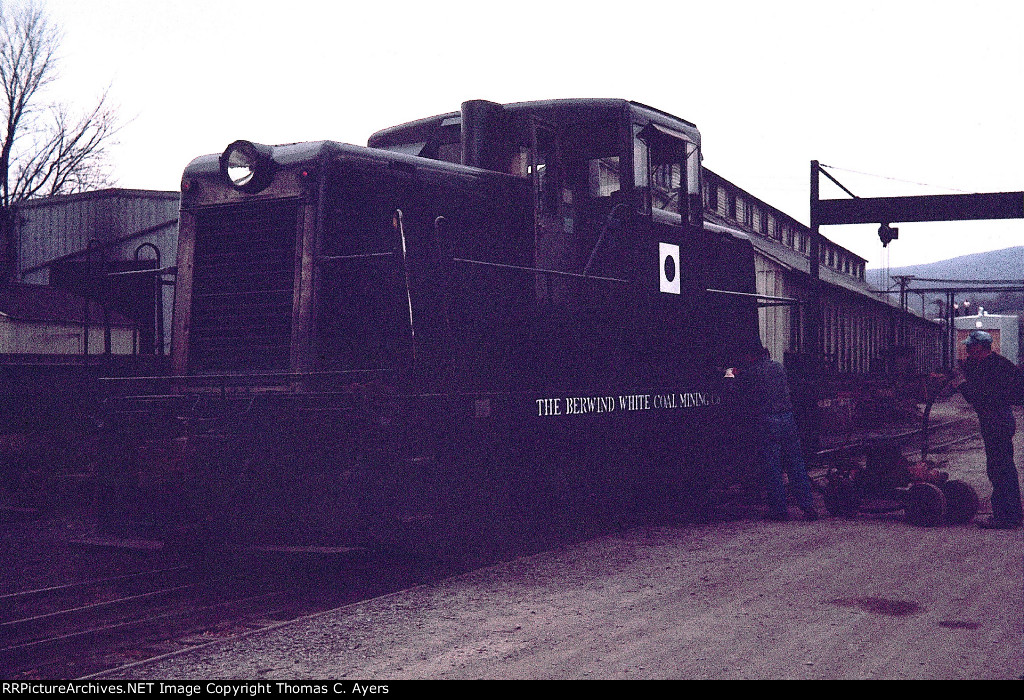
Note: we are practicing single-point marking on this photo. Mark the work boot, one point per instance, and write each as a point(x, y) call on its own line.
point(994, 524)
point(810, 514)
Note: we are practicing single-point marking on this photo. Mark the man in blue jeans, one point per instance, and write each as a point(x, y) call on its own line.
point(762, 389)
point(992, 384)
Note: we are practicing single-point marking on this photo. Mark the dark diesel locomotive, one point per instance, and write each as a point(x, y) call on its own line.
point(502, 318)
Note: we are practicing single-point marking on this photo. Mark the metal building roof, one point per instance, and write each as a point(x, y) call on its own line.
point(33, 302)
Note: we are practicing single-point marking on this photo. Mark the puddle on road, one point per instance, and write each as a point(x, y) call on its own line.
point(881, 606)
point(900, 608)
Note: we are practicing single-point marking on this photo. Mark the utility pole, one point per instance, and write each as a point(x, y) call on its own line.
point(903, 281)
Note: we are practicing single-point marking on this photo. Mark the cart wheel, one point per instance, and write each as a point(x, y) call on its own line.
point(961, 502)
point(925, 505)
point(840, 495)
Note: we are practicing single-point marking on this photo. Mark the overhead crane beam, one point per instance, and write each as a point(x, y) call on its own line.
point(939, 207)
point(891, 210)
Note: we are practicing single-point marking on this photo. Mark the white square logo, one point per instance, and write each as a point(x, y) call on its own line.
point(669, 267)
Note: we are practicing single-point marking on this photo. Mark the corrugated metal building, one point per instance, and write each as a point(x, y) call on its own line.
point(75, 243)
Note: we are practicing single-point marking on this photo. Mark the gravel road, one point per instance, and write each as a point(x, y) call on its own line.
point(869, 597)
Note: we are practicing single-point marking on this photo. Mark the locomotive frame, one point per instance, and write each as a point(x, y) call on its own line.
point(505, 319)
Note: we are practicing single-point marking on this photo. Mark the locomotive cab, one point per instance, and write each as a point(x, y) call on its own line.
point(616, 193)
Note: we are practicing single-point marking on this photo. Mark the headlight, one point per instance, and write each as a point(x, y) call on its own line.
point(248, 166)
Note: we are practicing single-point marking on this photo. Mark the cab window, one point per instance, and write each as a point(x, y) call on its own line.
point(603, 176)
point(668, 167)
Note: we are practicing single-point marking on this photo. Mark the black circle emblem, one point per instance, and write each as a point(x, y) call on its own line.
point(670, 268)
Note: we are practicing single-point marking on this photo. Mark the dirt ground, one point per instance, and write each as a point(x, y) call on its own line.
point(864, 598)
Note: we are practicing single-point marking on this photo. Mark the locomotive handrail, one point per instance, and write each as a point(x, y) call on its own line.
point(613, 216)
point(170, 270)
point(400, 230)
point(251, 376)
point(776, 301)
point(361, 256)
point(255, 292)
point(878, 440)
point(535, 270)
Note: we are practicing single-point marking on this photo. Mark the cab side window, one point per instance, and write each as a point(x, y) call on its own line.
point(668, 167)
point(603, 177)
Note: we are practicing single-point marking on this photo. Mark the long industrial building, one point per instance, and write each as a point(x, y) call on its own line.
point(862, 330)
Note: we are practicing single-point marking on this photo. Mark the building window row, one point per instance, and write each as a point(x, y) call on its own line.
point(729, 202)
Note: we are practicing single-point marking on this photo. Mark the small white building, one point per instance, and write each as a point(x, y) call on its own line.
point(41, 320)
point(1004, 330)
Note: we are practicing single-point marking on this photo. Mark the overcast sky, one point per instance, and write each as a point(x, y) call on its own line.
point(923, 96)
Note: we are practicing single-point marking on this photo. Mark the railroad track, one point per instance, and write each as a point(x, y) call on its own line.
point(911, 442)
point(87, 628)
point(73, 630)
point(954, 432)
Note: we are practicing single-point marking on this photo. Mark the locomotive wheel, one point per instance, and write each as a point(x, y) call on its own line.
point(961, 502)
point(840, 495)
point(925, 505)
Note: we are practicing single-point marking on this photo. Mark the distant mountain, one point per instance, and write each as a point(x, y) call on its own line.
point(1005, 264)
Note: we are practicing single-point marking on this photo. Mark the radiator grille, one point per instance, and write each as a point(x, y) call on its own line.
point(244, 273)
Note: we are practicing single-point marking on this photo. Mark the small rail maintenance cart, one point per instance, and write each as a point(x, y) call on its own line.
point(876, 477)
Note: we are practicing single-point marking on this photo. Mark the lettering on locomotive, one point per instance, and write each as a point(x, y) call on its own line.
point(585, 405)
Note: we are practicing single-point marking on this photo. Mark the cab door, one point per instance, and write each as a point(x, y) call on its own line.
point(552, 240)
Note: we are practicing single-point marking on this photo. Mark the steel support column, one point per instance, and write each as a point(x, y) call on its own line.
point(813, 336)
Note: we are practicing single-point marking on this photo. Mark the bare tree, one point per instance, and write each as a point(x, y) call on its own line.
point(44, 149)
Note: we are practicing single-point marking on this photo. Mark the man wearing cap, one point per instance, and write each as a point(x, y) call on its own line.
point(762, 388)
point(989, 382)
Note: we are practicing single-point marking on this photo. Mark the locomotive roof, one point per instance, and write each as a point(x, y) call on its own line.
point(560, 110)
point(292, 154)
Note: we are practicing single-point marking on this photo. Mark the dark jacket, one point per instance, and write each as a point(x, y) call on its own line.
point(993, 383)
point(762, 389)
